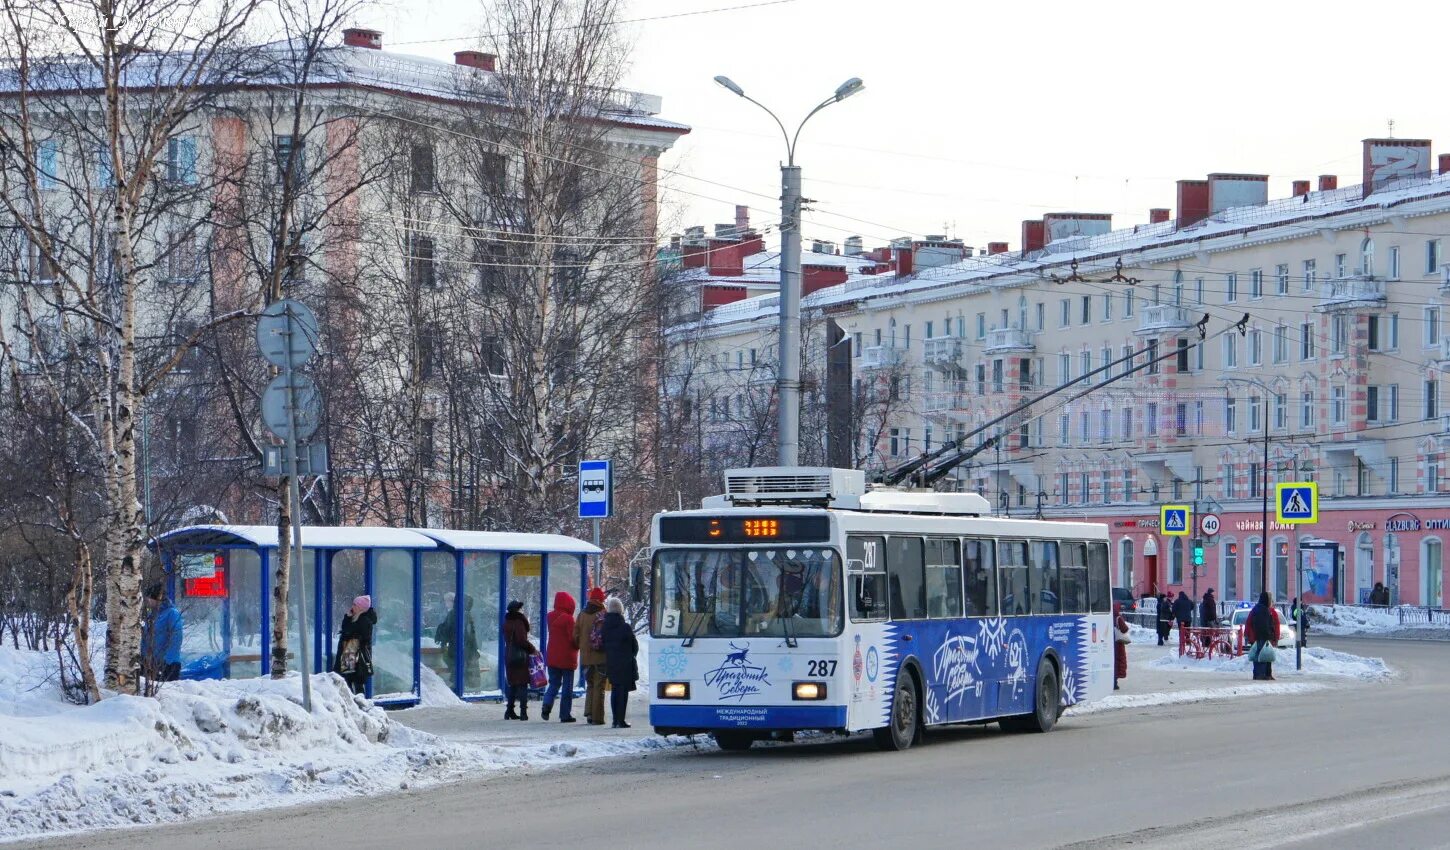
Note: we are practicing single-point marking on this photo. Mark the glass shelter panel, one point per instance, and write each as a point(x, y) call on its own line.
point(481, 614)
point(526, 584)
point(347, 574)
point(245, 577)
point(306, 565)
point(393, 638)
point(200, 595)
point(441, 653)
point(566, 574)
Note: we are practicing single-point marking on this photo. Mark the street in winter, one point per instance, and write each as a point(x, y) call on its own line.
point(786, 422)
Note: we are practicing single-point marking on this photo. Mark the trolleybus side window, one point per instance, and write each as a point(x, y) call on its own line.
point(1043, 578)
point(1099, 590)
point(1074, 578)
point(908, 579)
point(981, 570)
point(866, 557)
point(1012, 563)
point(943, 578)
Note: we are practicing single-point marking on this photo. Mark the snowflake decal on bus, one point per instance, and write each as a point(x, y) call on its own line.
point(1069, 686)
point(673, 661)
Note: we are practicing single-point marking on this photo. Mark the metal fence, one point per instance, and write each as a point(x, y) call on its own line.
point(1423, 614)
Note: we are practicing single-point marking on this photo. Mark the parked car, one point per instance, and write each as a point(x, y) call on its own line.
point(1123, 596)
point(1287, 635)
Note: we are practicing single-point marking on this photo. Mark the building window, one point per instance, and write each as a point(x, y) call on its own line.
point(1256, 347)
point(1230, 484)
point(1198, 482)
point(1394, 483)
point(1306, 341)
point(1306, 409)
point(1256, 284)
point(1432, 399)
point(1107, 373)
point(1366, 257)
point(1064, 369)
point(1394, 269)
point(1198, 290)
point(1309, 274)
point(1150, 419)
point(1065, 319)
point(1336, 405)
point(997, 375)
point(1372, 404)
point(1152, 356)
point(1281, 412)
point(1230, 352)
point(1180, 419)
point(895, 442)
point(1041, 316)
point(906, 331)
point(1128, 303)
point(1392, 337)
point(1432, 256)
point(1231, 287)
point(1281, 279)
point(1107, 306)
point(1281, 344)
point(421, 160)
point(1083, 428)
point(1198, 417)
point(1087, 309)
point(1255, 480)
point(1105, 426)
point(1432, 326)
point(1127, 430)
point(1392, 403)
point(1341, 263)
point(1432, 474)
point(1338, 333)
point(1182, 359)
point(1064, 429)
point(1253, 413)
point(1086, 358)
point(421, 269)
point(1230, 415)
point(1372, 332)
point(288, 151)
point(180, 160)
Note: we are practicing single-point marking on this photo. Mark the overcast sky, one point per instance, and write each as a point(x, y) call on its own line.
point(978, 115)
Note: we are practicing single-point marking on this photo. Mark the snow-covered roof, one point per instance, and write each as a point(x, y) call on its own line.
point(1286, 218)
point(764, 266)
point(507, 541)
point(378, 537)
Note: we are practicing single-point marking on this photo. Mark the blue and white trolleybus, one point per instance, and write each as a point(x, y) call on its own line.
point(801, 600)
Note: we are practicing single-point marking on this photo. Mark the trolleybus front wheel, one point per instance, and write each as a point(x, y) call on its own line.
point(904, 717)
point(734, 741)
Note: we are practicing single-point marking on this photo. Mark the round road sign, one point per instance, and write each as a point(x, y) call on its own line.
point(1208, 524)
point(287, 334)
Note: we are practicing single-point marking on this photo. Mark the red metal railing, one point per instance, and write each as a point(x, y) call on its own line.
point(1201, 642)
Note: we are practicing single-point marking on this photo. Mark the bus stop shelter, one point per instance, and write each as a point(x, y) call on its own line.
point(439, 596)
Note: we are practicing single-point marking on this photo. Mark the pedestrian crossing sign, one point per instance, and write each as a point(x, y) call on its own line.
point(1297, 502)
point(1176, 520)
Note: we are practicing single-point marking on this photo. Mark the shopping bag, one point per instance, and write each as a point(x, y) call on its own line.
point(1267, 653)
point(538, 675)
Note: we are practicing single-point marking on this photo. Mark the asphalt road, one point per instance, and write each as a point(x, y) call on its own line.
point(1353, 767)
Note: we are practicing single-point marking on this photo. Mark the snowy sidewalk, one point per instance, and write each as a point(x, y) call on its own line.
point(483, 723)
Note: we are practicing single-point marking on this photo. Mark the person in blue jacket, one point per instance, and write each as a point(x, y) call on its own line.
point(161, 630)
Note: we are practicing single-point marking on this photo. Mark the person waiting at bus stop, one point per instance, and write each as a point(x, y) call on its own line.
point(591, 656)
point(518, 649)
point(161, 631)
point(621, 648)
point(562, 656)
point(1164, 618)
point(1261, 632)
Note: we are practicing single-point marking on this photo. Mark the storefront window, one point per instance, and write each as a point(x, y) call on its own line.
point(393, 637)
point(1230, 570)
point(245, 577)
point(1281, 569)
point(1256, 564)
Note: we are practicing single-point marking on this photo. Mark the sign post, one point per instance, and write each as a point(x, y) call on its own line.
point(596, 502)
point(287, 334)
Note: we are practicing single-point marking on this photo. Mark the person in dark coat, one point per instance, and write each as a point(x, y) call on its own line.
point(620, 650)
point(517, 650)
point(1183, 610)
point(562, 656)
point(1300, 619)
point(1165, 618)
point(1120, 644)
point(354, 657)
point(1380, 595)
point(1262, 628)
point(1208, 610)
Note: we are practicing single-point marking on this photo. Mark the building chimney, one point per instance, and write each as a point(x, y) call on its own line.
point(1192, 202)
point(1444, 163)
point(1328, 182)
point(901, 252)
point(1301, 188)
point(1034, 236)
point(742, 218)
point(854, 246)
point(358, 37)
point(996, 248)
point(1158, 215)
point(1226, 191)
point(476, 59)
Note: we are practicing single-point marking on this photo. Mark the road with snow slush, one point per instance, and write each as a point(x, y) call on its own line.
point(1366, 765)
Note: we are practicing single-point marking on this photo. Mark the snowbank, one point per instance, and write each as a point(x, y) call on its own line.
point(1359, 620)
point(1318, 661)
point(1120, 702)
point(203, 748)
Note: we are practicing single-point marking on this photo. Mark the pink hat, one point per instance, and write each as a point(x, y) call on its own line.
point(362, 603)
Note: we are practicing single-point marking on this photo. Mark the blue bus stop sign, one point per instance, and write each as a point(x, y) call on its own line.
point(596, 489)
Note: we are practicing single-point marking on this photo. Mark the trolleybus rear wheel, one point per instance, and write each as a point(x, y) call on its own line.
point(1045, 704)
point(904, 717)
point(733, 741)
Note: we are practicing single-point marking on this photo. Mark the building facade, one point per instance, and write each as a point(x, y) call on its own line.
point(1298, 339)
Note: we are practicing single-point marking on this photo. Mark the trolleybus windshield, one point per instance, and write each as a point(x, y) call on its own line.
point(790, 591)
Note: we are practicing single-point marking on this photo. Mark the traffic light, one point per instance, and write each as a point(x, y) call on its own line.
point(1198, 553)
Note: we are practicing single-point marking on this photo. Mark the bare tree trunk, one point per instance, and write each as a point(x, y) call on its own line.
point(281, 577)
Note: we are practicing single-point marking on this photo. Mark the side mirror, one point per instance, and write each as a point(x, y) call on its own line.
point(636, 585)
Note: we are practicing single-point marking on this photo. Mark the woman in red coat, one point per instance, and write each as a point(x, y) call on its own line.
point(562, 655)
point(517, 650)
point(1120, 645)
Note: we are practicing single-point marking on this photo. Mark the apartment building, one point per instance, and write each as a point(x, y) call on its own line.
point(1309, 328)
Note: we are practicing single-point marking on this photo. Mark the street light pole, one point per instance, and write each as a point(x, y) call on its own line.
point(1263, 485)
point(788, 380)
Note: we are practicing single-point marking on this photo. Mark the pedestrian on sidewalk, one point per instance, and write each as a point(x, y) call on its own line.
point(590, 641)
point(620, 649)
point(355, 644)
point(1165, 618)
point(1120, 644)
point(562, 655)
point(1300, 619)
point(1208, 610)
point(1183, 610)
point(1261, 633)
point(518, 649)
point(1380, 595)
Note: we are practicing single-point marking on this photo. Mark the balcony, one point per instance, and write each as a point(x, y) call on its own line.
point(879, 356)
point(1350, 293)
point(944, 353)
point(1445, 278)
point(1159, 318)
point(1009, 339)
point(948, 405)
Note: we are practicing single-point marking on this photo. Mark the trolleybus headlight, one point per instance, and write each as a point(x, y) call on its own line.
point(809, 690)
point(674, 690)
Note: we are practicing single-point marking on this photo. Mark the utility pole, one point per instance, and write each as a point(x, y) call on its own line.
point(788, 380)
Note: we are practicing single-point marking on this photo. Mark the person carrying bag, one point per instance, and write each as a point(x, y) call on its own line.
point(1262, 631)
point(1121, 639)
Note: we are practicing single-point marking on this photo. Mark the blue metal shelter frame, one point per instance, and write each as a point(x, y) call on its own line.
point(556, 552)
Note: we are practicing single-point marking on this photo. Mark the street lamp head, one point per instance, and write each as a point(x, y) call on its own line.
point(726, 82)
point(846, 89)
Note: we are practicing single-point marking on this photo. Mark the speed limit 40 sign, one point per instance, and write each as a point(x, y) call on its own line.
point(1208, 525)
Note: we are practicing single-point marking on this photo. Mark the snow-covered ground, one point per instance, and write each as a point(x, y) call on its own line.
point(203, 748)
point(1359, 620)
point(1318, 661)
